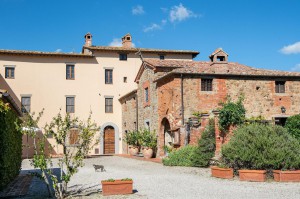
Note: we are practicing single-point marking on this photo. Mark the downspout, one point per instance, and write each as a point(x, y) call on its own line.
point(137, 112)
point(182, 106)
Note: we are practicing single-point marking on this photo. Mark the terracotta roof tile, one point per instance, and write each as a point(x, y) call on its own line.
point(209, 68)
point(26, 52)
point(149, 50)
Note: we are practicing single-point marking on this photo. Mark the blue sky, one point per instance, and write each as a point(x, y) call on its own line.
point(257, 33)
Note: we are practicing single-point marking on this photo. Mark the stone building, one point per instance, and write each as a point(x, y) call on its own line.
point(77, 83)
point(170, 91)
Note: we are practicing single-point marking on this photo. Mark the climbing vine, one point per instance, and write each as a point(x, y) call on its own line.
point(231, 114)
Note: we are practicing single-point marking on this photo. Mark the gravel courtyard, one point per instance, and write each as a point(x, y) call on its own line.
point(153, 180)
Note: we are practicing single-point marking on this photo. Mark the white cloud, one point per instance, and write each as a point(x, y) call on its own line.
point(291, 49)
point(152, 27)
point(296, 68)
point(138, 10)
point(58, 50)
point(117, 43)
point(180, 13)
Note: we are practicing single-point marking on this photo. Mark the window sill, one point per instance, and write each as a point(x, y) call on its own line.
point(9, 78)
point(70, 79)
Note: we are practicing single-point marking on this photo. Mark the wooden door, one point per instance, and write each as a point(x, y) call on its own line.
point(109, 140)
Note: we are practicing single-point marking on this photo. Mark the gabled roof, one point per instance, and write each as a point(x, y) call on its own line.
point(40, 53)
point(217, 51)
point(208, 68)
point(128, 94)
point(143, 50)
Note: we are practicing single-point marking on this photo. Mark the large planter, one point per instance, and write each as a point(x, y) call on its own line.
point(218, 172)
point(133, 150)
point(116, 187)
point(286, 176)
point(147, 152)
point(253, 175)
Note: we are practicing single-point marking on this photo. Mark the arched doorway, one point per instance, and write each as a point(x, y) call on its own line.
point(109, 140)
point(167, 136)
point(109, 136)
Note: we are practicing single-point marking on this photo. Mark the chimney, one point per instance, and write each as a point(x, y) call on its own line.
point(126, 41)
point(88, 39)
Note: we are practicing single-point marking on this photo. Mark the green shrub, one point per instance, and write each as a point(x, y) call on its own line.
point(10, 145)
point(293, 126)
point(148, 138)
point(258, 146)
point(206, 146)
point(180, 157)
point(232, 113)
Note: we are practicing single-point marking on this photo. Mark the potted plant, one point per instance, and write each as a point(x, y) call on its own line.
point(116, 187)
point(149, 142)
point(255, 148)
point(132, 139)
point(286, 176)
point(220, 170)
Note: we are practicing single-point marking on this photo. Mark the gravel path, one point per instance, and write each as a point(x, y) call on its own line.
point(153, 180)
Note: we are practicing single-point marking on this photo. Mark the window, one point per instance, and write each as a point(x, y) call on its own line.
point(25, 101)
point(220, 58)
point(146, 94)
point(206, 84)
point(70, 104)
point(108, 105)
point(10, 72)
point(161, 57)
point(123, 57)
point(108, 76)
point(125, 79)
point(70, 72)
point(280, 86)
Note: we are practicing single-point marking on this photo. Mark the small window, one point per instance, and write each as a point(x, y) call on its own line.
point(125, 79)
point(10, 72)
point(161, 57)
point(206, 84)
point(128, 38)
point(26, 103)
point(70, 72)
point(220, 58)
point(280, 86)
point(123, 57)
point(70, 104)
point(108, 76)
point(108, 105)
point(146, 94)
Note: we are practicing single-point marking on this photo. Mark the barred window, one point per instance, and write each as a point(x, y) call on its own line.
point(70, 72)
point(206, 84)
point(70, 104)
point(280, 86)
point(108, 76)
point(26, 103)
point(108, 105)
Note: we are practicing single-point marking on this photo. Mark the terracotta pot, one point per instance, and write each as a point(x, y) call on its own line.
point(147, 152)
point(133, 150)
point(286, 176)
point(253, 175)
point(218, 172)
point(117, 187)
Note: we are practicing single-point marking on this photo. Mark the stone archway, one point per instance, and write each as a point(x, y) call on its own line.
point(109, 141)
point(165, 136)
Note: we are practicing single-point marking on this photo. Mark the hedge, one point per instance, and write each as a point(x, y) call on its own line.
point(10, 145)
point(293, 126)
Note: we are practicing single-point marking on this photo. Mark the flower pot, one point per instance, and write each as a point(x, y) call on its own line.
point(218, 172)
point(117, 187)
point(147, 152)
point(133, 150)
point(253, 175)
point(286, 176)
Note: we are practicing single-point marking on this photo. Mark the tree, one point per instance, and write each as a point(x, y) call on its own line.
point(76, 139)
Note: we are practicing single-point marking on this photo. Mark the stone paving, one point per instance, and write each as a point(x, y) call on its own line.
point(153, 180)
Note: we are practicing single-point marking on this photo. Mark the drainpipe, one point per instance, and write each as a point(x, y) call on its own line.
point(182, 106)
point(137, 111)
